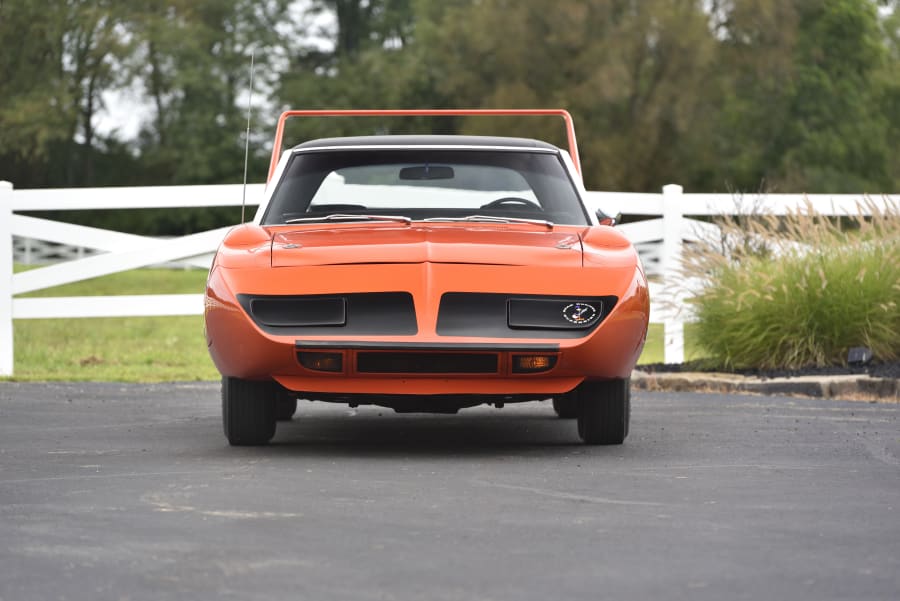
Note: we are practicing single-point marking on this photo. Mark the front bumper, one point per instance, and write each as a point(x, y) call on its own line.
point(241, 348)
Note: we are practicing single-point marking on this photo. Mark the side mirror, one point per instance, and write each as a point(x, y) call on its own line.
point(605, 219)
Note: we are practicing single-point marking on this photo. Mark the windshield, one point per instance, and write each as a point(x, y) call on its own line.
point(426, 184)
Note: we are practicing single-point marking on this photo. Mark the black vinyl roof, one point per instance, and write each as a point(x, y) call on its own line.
point(427, 141)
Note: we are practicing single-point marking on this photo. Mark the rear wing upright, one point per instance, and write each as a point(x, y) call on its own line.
point(279, 132)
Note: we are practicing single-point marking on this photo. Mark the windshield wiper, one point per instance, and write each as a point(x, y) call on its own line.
point(349, 217)
point(491, 219)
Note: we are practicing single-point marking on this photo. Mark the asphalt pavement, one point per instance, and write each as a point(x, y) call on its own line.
point(113, 491)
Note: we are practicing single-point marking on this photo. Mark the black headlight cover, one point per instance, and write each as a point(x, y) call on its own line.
point(348, 314)
point(497, 315)
point(299, 311)
point(554, 314)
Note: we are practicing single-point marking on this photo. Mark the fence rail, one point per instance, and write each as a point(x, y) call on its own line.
point(659, 241)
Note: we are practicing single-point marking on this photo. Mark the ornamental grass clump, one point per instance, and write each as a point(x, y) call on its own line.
point(798, 290)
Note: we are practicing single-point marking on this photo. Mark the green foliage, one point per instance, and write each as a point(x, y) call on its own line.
point(835, 139)
point(799, 291)
point(188, 59)
point(195, 67)
point(620, 73)
point(796, 95)
point(57, 61)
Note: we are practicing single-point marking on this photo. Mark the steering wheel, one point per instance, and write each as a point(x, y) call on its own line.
point(513, 200)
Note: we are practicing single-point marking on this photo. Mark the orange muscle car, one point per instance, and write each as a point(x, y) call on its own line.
point(426, 273)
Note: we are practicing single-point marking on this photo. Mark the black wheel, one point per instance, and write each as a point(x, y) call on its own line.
point(285, 405)
point(604, 411)
point(248, 411)
point(566, 405)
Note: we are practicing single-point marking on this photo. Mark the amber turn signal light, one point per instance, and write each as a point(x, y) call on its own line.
point(532, 363)
point(321, 361)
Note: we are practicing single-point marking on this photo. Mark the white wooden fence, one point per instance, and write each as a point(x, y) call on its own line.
point(659, 240)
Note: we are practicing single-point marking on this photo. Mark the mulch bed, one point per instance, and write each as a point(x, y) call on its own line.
point(876, 370)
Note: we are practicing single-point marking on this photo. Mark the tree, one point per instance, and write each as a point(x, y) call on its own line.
point(889, 76)
point(628, 71)
point(796, 95)
point(51, 81)
point(194, 57)
point(368, 66)
point(834, 139)
point(805, 106)
point(755, 67)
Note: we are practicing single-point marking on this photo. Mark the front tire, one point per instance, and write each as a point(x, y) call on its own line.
point(604, 411)
point(566, 405)
point(285, 405)
point(248, 411)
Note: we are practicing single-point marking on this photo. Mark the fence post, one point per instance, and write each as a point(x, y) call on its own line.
point(673, 222)
point(6, 273)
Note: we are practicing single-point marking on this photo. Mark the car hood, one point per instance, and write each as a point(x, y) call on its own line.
point(476, 244)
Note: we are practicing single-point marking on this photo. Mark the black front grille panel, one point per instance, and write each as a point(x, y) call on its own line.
point(352, 314)
point(517, 315)
point(426, 363)
point(299, 311)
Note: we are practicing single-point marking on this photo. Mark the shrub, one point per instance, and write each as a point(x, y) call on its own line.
point(789, 292)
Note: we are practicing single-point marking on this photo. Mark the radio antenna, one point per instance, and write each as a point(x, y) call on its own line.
point(247, 139)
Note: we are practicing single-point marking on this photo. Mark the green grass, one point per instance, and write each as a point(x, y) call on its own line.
point(142, 349)
point(136, 281)
point(130, 349)
point(653, 349)
point(135, 349)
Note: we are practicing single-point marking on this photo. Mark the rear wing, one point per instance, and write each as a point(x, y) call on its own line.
point(279, 132)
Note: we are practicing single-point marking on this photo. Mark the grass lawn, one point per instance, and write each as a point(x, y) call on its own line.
point(132, 349)
point(140, 349)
